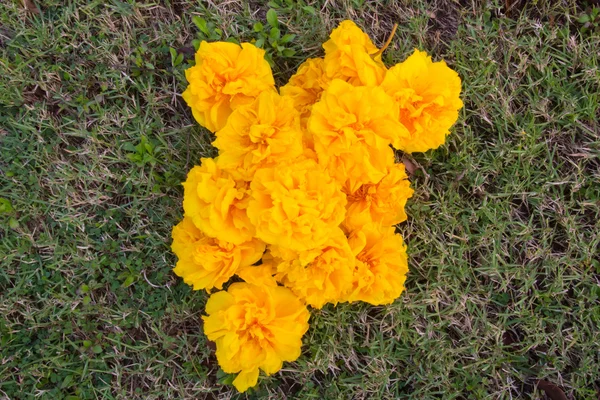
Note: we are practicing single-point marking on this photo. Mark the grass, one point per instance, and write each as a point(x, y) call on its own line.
point(503, 230)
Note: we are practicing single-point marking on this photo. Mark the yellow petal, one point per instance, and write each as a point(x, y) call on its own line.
point(246, 379)
point(219, 301)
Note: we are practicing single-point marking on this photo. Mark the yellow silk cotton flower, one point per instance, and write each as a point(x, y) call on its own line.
point(296, 205)
point(381, 265)
point(352, 128)
point(351, 56)
point(262, 133)
point(319, 276)
point(255, 328)
point(382, 203)
point(427, 95)
point(302, 200)
point(306, 86)
point(226, 75)
point(207, 263)
point(217, 203)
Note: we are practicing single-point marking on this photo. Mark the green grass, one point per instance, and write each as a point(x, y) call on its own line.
point(503, 230)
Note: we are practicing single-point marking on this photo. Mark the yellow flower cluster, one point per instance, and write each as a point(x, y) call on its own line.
point(300, 203)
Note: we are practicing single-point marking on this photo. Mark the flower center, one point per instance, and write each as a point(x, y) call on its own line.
point(362, 193)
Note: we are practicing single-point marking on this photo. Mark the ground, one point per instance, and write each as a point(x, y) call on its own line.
point(502, 300)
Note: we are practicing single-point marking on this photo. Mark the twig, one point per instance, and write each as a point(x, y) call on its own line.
point(387, 42)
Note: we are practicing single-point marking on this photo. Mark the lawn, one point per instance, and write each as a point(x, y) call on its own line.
point(503, 295)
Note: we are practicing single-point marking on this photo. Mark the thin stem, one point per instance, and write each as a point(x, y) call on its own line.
point(387, 42)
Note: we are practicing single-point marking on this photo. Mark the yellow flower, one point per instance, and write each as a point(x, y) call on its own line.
point(295, 205)
point(319, 276)
point(255, 327)
point(382, 202)
point(260, 275)
point(226, 75)
point(352, 129)
point(351, 56)
point(217, 203)
point(427, 95)
point(306, 85)
point(262, 133)
point(207, 263)
point(381, 265)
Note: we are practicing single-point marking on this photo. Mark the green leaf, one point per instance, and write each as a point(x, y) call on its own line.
point(5, 205)
point(196, 44)
point(176, 58)
point(269, 59)
point(259, 42)
point(97, 349)
point(130, 279)
point(272, 18)
point(288, 52)
point(13, 223)
point(583, 19)
point(287, 38)
point(275, 33)
point(201, 24)
point(224, 378)
point(310, 9)
point(149, 147)
point(66, 382)
point(87, 344)
point(258, 27)
point(6, 338)
point(128, 146)
point(179, 59)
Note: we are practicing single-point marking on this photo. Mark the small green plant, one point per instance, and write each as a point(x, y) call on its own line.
point(140, 58)
point(291, 5)
point(176, 58)
point(7, 209)
point(268, 36)
point(142, 153)
point(590, 20)
point(207, 31)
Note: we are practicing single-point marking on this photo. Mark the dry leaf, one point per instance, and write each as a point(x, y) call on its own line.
point(211, 345)
point(188, 51)
point(460, 176)
point(409, 165)
point(31, 6)
point(551, 390)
